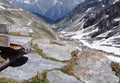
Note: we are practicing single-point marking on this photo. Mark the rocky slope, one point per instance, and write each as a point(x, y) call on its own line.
point(21, 22)
point(52, 9)
point(95, 24)
point(51, 61)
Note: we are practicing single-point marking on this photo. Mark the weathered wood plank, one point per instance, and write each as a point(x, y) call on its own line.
point(9, 60)
point(4, 29)
point(4, 40)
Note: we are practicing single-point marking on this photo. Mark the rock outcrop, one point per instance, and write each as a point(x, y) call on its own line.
point(94, 68)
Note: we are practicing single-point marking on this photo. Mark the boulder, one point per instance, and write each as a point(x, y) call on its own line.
point(60, 77)
point(56, 51)
point(28, 66)
point(93, 67)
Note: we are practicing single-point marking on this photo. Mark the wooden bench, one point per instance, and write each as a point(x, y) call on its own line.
point(12, 47)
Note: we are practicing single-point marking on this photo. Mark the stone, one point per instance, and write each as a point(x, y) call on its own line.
point(94, 68)
point(61, 53)
point(56, 76)
point(28, 66)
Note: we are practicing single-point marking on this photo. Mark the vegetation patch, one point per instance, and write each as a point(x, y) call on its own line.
point(56, 43)
point(39, 78)
point(116, 67)
point(15, 33)
point(40, 52)
point(68, 69)
point(7, 80)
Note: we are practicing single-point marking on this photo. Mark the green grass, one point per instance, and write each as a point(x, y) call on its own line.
point(68, 69)
point(7, 80)
point(40, 52)
point(56, 43)
point(39, 78)
point(15, 33)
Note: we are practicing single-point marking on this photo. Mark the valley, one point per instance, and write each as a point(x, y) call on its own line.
point(83, 47)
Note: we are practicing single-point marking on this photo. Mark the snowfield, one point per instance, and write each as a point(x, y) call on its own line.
point(105, 45)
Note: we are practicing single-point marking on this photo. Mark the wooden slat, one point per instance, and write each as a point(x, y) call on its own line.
point(4, 40)
point(4, 29)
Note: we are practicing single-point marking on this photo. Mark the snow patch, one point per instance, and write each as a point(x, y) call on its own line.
point(55, 2)
point(113, 58)
point(27, 1)
point(89, 9)
point(2, 7)
point(115, 1)
point(117, 19)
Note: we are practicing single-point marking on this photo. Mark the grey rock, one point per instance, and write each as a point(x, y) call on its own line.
point(94, 68)
point(29, 69)
point(59, 77)
point(56, 51)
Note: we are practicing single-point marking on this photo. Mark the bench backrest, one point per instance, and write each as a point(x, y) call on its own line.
point(4, 38)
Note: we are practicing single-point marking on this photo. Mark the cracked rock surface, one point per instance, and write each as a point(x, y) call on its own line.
point(30, 65)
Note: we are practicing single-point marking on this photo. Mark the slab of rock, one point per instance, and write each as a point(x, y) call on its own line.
point(56, 51)
point(59, 77)
point(28, 66)
point(94, 68)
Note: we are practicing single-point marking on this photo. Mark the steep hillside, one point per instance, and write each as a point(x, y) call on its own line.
point(21, 22)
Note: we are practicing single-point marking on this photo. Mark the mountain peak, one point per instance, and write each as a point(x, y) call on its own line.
point(52, 9)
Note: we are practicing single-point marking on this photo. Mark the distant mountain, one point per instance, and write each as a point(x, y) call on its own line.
point(95, 23)
point(52, 9)
point(86, 9)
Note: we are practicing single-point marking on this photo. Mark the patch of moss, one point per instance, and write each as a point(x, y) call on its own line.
point(116, 67)
point(68, 69)
point(36, 36)
point(56, 43)
point(7, 80)
point(15, 33)
point(40, 52)
point(18, 34)
point(39, 78)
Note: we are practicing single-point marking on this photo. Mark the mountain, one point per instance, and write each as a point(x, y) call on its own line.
point(52, 9)
point(95, 23)
point(52, 60)
point(21, 22)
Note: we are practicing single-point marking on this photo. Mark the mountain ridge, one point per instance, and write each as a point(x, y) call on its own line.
point(52, 9)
